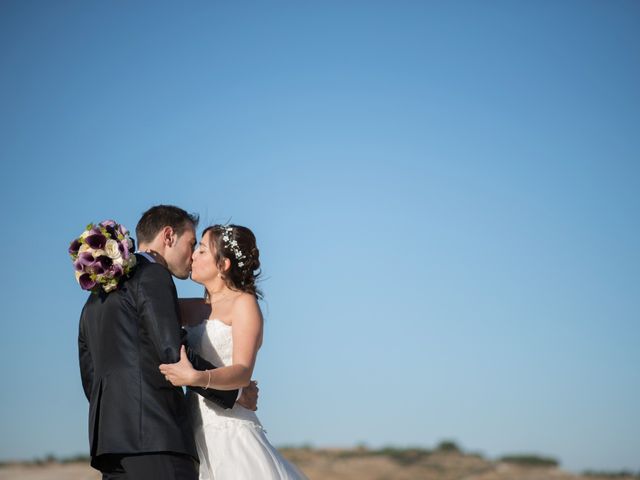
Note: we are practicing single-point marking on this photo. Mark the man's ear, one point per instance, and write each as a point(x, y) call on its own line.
point(168, 236)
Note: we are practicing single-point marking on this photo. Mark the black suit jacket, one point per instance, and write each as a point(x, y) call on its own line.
point(123, 338)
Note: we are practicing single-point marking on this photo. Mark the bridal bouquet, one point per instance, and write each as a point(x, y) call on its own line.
point(102, 255)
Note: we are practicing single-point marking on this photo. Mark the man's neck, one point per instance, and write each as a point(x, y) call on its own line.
point(156, 256)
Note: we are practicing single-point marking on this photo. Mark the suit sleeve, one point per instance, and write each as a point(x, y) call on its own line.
point(86, 362)
point(224, 398)
point(159, 312)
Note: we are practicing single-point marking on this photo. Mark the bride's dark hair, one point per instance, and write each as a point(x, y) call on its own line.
point(238, 244)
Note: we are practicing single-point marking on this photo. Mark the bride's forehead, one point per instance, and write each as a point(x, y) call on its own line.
point(205, 240)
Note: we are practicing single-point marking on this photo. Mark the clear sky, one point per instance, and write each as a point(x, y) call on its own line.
point(445, 194)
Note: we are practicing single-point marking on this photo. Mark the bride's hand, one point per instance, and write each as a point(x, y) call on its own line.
point(182, 373)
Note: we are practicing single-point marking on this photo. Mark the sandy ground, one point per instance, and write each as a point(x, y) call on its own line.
point(334, 465)
point(72, 471)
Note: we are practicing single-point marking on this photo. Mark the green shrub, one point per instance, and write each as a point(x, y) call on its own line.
point(403, 456)
point(530, 460)
point(79, 458)
point(448, 446)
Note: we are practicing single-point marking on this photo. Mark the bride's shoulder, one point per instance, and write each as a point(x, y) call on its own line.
point(246, 303)
point(244, 298)
point(246, 306)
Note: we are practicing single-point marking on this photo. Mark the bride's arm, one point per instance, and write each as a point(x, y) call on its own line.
point(193, 311)
point(247, 338)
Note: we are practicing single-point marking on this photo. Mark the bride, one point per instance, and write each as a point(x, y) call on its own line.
point(226, 329)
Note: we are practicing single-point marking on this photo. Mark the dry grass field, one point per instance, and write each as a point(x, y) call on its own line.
point(362, 464)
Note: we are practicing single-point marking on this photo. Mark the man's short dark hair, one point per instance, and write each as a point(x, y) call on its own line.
point(160, 216)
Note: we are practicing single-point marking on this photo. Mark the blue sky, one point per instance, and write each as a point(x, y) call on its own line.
point(445, 196)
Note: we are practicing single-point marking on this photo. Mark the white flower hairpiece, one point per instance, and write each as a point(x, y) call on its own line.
point(229, 242)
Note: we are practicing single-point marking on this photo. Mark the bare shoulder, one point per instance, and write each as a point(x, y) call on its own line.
point(245, 300)
point(245, 305)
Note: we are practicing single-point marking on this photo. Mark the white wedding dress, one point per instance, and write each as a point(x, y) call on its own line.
point(231, 443)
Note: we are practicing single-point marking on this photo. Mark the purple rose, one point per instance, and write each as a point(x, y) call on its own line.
point(96, 241)
point(123, 230)
point(74, 247)
point(78, 266)
point(108, 223)
point(85, 282)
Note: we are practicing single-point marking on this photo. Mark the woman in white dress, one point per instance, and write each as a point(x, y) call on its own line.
point(226, 329)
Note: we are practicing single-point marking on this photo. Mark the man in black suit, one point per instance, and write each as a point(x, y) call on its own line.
point(139, 426)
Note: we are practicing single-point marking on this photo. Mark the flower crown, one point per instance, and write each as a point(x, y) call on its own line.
point(230, 243)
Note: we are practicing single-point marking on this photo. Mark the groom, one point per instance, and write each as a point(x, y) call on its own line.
point(139, 426)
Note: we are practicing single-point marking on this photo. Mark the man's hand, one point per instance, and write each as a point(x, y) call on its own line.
point(249, 397)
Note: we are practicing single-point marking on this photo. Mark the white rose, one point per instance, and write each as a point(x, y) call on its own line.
point(85, 234)
point(112, 249)
point(83, 248)
point(118, 261)
point(98, 252)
